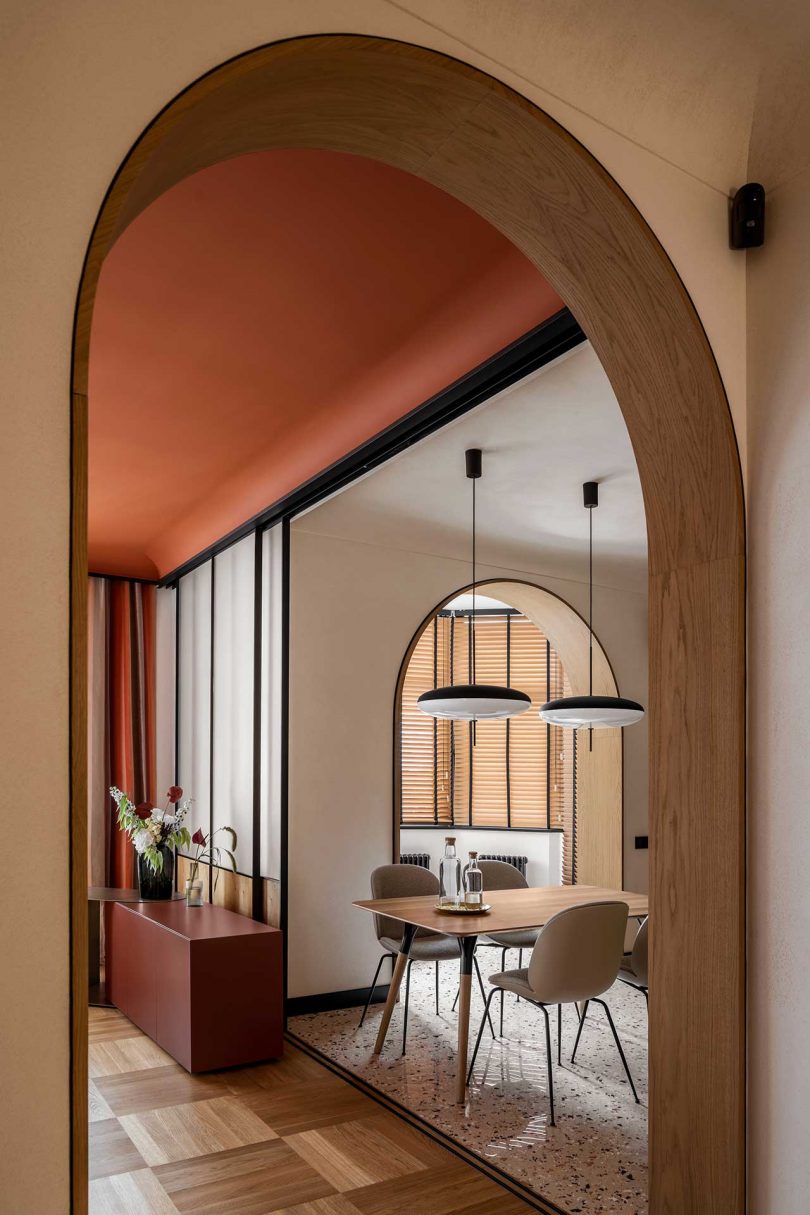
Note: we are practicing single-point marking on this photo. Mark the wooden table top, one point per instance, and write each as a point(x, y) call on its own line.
point(527, 907)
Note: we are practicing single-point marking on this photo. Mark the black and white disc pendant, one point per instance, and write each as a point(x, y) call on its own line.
point(592, 712)
point(474, 702)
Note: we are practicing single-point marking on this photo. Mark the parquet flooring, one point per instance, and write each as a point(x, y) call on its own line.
point(281, 1138)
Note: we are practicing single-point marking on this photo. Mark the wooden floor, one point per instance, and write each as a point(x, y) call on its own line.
point(287, 1137)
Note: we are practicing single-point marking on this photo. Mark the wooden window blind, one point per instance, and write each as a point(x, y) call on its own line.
point(519, 773)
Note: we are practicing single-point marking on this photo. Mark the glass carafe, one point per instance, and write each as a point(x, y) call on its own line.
point(449, 875)
point(473, 882)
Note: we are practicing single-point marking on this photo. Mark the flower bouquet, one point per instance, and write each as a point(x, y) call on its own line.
point(155, 834)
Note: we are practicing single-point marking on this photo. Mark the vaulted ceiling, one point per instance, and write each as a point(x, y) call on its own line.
point(263, 318)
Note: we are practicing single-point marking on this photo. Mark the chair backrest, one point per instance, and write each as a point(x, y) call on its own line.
point(500, 875)
point(639, 958)
point(578, 953)
point(397, 882)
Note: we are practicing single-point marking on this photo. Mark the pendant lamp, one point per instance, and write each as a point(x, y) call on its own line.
point(473, 701)
point(591, 712)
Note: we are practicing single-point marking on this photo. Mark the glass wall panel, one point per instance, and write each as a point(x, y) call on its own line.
point(271, 708)
point(165, 681)
point(233, 696)
point(194, 693)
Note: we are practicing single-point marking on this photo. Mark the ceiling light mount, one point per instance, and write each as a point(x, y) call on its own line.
point(473, 701)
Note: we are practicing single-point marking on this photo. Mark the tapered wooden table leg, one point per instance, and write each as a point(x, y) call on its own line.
point(467, 946)
point(409, 932)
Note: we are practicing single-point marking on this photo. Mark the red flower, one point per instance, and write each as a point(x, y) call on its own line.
point(144, 810)
point(174, 794)
point(198, 837)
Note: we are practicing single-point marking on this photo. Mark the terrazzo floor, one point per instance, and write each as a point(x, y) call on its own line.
point(594, 1160)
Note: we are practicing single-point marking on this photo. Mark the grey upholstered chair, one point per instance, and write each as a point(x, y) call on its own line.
point(405, 881)
point(500, 875)
point(634, 969)
point(576, 958)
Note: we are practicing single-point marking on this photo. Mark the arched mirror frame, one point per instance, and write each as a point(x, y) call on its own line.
point(492, 149)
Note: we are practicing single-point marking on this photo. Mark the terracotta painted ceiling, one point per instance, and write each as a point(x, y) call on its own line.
point(263, 318)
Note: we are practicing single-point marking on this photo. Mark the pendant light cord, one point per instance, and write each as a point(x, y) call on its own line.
point(590, 617)
point(590, 602)
point(472, 617)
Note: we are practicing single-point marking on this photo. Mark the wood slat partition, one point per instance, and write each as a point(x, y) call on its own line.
point(495, 151)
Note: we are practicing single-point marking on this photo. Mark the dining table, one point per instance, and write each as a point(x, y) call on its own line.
point(509, 910)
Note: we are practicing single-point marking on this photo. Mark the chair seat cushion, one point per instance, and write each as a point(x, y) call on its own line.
point(426, 949)
point(520, 938)
point(516, 981)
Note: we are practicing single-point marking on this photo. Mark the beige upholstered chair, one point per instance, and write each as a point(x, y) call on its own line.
point(576, 958)
point(634, 969)
point(404, 881)
point(500, 875)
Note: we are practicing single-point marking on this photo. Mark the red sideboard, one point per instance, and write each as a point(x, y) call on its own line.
point(203, 982)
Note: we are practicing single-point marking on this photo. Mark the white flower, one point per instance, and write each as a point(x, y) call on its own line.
point(142, 840)
point(168, 819)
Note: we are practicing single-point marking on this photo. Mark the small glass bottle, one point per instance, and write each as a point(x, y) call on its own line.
point(449, 875)
point(473, 883)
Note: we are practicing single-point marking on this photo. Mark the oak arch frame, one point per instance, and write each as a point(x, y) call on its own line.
point(495, 151)
point(600, 771)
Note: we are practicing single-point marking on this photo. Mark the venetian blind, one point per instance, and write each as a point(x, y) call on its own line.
point(518, 773)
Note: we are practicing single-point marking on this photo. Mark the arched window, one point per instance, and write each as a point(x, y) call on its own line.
point(518, 774)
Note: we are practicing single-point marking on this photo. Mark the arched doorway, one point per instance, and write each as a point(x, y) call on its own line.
point(584, 783)
point(489, 147)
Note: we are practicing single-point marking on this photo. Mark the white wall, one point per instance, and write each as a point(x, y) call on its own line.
point(543, 848)
point(779, 756)
point(353, 609)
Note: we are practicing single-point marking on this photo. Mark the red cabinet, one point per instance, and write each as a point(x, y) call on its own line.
point(203, 982)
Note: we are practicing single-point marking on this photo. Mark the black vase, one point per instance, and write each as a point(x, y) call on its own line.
point(158, 885)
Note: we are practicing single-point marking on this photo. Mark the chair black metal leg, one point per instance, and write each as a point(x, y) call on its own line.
point(483, 994)
point(559, 1034)
point(520, 965)
point(407, 995)
point(373, 985)
point(549, 1064)
point(503, 967)
point(480, 1033)
point(579, 1031)
point(619, 1048)
point(437, 989)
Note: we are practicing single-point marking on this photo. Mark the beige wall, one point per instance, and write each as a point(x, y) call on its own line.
point(353, 610)
point(664, 95)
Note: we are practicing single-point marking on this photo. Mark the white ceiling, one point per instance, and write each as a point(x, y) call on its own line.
point(541, 439)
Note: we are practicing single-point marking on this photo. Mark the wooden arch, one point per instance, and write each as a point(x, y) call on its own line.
point(489, 147)
point(600, 816)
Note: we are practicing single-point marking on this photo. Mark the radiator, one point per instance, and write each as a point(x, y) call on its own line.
point(519, 862)
point(416, 858)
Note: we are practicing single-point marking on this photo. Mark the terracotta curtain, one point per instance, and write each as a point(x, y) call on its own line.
point(121, 718)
